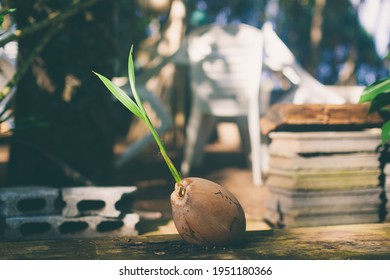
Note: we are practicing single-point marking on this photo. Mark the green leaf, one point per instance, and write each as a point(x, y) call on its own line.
point(385, 132)
point(388, 55)
point(6, 12)
point(372, 91)
point(132, 81)
point(131, 67)
point(3, 13)
point(121, 96)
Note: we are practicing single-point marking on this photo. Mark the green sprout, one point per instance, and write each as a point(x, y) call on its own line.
point(138, 109)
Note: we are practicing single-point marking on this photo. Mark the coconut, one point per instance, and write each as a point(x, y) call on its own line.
point(207, 214)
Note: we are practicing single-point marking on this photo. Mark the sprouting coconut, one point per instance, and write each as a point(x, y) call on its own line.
point(204, 212)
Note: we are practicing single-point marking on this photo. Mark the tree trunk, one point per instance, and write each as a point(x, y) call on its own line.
point(63, 114)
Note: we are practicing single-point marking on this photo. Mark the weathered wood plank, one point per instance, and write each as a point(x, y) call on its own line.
point(370, 241)
point(307, 115)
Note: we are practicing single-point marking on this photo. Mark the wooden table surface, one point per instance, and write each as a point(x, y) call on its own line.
point(369, 241)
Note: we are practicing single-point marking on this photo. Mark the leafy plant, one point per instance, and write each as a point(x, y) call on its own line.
point(378, 94)
point(195, 202)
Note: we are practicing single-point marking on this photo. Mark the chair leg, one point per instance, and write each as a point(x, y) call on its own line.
point(251, 143)
point(256, 159)
point(255, 141)
point(198, 132)
point(242, 123)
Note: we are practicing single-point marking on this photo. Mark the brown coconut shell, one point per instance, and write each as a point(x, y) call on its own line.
point(207, 214)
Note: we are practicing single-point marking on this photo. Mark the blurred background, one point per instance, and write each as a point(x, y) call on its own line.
point(59, 124)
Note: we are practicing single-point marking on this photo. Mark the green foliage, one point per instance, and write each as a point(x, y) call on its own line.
point(378, 94)
point(374, 90)
point(3, 13)
point(120, 95)
point(385, 132)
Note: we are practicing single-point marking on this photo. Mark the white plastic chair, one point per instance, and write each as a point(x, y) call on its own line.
point(279, 58)
point(225, 74)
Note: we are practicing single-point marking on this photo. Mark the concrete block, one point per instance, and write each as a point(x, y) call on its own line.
point(326, 162)
point(31, 227)
point(55, 227)
point(387, 208)
point(341, 179)
point(387, 195)
point(287, 220)
point(99, 226)
point(387, 180)
point(387, 204)
point(101, 201)
point(29, 200)
point(387, 170)
point(289, 144)
point(317, 201)
point(327, 210)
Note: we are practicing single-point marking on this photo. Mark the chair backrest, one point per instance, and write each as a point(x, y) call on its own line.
point(225, 67)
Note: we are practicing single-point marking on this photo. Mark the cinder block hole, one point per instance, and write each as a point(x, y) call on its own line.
point(109, 226)
point(73, 227)
point(87, 205)
point(125, 204)
point(31, 204)
point(35, 228)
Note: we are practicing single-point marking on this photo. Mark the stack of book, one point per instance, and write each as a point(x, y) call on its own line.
point(323, 178)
